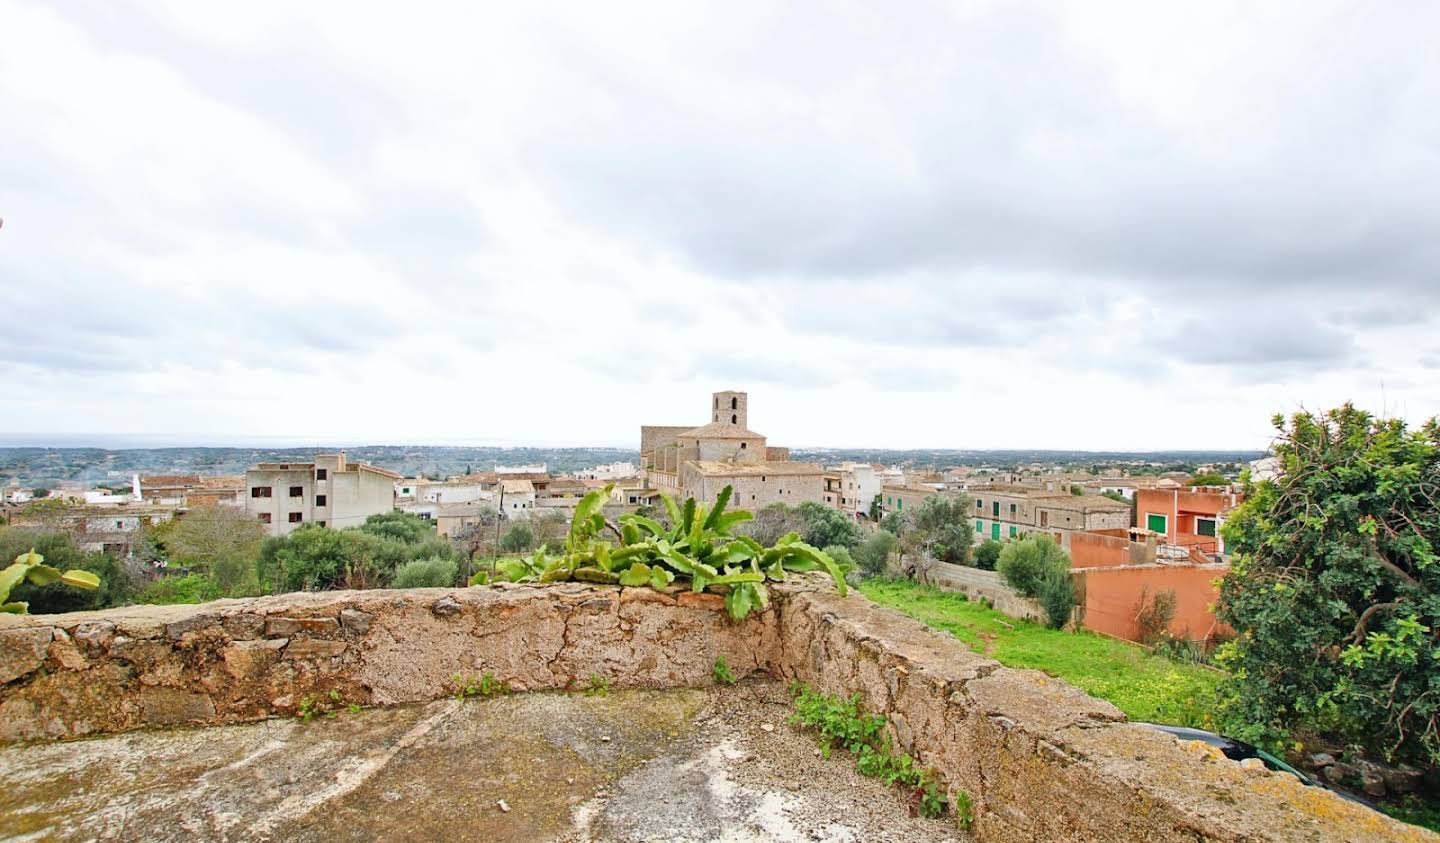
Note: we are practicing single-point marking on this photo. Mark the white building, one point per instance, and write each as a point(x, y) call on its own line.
point(329, 492)
point(611, 471)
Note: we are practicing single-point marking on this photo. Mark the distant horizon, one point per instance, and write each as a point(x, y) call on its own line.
point(130, 442)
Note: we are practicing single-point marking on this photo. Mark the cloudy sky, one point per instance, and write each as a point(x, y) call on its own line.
point(1141, 225)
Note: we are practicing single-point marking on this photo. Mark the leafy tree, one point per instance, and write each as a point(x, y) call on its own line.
point(425, 573)
point(1209, 478)
point(826, 526)
point(518, 539)
point(39, 493)
point(221, 541)
point(1115, 496)
point(875, 508)
point(1335, 587)
point(894, 523)
point(987, 555)
point(1076, 490)
point(1025, 562)
point(942, 528)
point(773, 522)
point(401, 526)
point(874, 553)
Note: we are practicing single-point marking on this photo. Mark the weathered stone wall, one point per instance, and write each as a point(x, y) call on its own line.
point(1040, 759)
point(88, 672)
point(975, 584)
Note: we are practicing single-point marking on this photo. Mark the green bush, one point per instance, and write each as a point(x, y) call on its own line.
point(191, 588)
point(1057, 597)
point(1026, 562)
point(425, 573)
point(842, 557)
point(517, 539)
point(874, 553)
point(987, 555)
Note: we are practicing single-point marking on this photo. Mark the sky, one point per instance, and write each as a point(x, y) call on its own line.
point(1059, 225)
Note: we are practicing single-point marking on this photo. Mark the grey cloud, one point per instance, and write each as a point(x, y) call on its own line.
point(993, 144)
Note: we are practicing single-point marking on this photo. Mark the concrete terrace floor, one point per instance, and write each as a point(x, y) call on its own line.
point(719, 764)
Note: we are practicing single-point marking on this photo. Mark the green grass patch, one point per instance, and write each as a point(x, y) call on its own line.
point(1144, 686)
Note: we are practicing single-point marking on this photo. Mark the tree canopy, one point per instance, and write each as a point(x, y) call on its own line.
point(1335, 587)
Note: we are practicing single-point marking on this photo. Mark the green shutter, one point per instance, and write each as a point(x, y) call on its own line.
point(1012, 532)
point(1205, 527)
point(1156, 523)
point(995, 531)
point(979, 526)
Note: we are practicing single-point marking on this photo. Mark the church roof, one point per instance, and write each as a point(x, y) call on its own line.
point(721, 430)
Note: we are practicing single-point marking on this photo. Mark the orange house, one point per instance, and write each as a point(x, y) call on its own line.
point(1188, 518)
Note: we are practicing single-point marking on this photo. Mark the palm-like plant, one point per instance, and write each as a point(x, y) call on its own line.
point(697, 545)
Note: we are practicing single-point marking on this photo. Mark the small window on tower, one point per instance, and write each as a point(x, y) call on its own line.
point(734, 419)
point(734, 405)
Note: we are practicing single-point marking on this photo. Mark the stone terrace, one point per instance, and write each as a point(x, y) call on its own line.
point(1040, 759)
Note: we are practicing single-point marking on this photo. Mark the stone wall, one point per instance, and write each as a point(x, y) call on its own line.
point(975, 584)
point(88, 672)
point(1040, 760)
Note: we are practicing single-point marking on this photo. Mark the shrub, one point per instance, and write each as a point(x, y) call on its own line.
point(987, 555)
point(942, 527)
point(842, 557)
point(425, 573)
point(1155, 614)
point(874, 553)
point(191, 588)
point(1025, 562)
point(827, 527)
point(1057, 597)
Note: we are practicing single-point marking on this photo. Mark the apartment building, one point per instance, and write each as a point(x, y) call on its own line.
point(330, 492)
point(904, 497)
point(1004, 511)
point(700, 461)
point(1189, 518)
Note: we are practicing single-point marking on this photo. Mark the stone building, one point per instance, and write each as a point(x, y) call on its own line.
point(700, 461)
point(329, 491)
point(1004, 511)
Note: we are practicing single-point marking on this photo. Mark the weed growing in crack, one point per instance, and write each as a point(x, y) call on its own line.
point(486, 686)
point(839, 721)
point(723, 674)
point(599, 686)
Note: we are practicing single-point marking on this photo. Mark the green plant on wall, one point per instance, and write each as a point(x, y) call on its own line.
point(31, 566)
point(698, 546)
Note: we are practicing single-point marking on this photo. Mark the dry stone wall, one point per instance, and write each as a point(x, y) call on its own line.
point(1040, 760)
point(87, 672)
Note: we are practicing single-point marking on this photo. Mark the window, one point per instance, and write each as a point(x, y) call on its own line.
point(1044, 518)
point(979, 504)
point(119, 525)
point(320, 474)
point(995, 509)
point(1205, 527)
point(321, 523)
point(734, 403)
point(1012, 509)
point(297, 491)
point(979, 526)
point(296, 518)
point(995, 531)
point(260, 492)
point(319, 500)
point(899, 504)
point(1157, 523)
point(734, 419)
point(742, 446)
point(264, 518)
point(1012, 532)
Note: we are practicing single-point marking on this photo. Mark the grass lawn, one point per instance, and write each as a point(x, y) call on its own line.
point(1145, 687)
